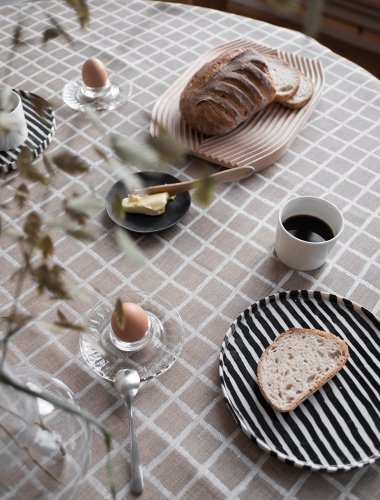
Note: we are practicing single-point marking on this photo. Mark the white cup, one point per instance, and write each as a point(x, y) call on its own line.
point(13, 127)
point(298, 253)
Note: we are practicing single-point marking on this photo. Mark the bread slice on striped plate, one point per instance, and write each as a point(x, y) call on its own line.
point(298, 363)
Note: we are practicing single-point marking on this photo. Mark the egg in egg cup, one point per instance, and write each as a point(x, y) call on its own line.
point(95, 90)
point(149, 339)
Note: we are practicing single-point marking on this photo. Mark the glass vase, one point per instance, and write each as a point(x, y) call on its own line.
point(44, 451)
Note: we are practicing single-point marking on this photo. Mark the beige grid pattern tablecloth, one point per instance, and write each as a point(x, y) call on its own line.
point(213, 264)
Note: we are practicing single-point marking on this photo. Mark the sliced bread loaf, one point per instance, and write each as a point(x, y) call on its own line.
point(298, 363)
point(226, 92)
point(302, 96)
point(285, 77)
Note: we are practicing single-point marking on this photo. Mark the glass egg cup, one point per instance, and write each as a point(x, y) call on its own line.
point(79, 97)
point(49, 454)
point(155, 353)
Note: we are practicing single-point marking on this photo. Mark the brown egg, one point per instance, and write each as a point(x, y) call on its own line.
point(136, 323)
point(94, 73)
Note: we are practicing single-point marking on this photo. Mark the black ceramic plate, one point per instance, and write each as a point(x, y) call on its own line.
point(336, 428)
point(139, 223)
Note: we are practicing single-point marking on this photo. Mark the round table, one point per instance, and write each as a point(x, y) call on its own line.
point(213, 264)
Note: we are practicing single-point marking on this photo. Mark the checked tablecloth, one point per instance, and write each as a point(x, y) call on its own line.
point(213, 264)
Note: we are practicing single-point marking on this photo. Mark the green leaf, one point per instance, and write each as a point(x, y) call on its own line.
point(50, 279)
point(135, 153)
point(21, 195)
point(70, 163)
point(15, 321)
point(101, 153)
point(54, 221)
point(48, 164)
point(169, 149)
point(117, 207)
point(128, 246)
point(32, 227)
point(80, 208)
point(80, 234)
point(16, 37)
point(204, 191)
point(313, 15)
point(46, 246)
point(85, 204)
point(26, 168)
point(64, 322)
point(39, 104)
point(59, 223)
point(119, 315)
point(78, 217)
point(50, 34)
point(61, 315)
point(82, 11)
point(114, 166)
point(60, 30)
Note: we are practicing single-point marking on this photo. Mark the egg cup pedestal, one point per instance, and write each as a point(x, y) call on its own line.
point(79, 97)
point(152, 355)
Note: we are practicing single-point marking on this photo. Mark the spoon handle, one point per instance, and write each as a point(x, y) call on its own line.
point(137, 480)
point(229, 175)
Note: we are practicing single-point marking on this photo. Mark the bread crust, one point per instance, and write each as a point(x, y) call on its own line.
point(227, 91)
point(313, 387)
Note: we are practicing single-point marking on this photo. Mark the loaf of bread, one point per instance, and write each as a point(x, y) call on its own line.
point(226, 92)
point(298, 363)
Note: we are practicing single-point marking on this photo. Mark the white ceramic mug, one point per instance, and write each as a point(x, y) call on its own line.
point(306, 255)
point(13, 127)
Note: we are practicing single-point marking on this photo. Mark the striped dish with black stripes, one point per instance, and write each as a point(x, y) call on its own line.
point(337, 427)
point(41, 130)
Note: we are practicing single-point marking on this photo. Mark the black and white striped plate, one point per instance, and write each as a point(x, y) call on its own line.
point(336, 428)
point(40, 132)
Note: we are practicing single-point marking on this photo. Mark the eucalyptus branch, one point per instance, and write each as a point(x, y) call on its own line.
point(10, 326)
point(11, 332)
point(34, 242)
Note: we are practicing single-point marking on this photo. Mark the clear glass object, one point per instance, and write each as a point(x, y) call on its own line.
point(79, 97)
point(44, 451)
point(152, 355)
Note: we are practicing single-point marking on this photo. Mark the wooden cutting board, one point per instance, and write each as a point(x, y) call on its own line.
point(260, 141)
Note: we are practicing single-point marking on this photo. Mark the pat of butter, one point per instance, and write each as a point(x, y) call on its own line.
point(147, 204)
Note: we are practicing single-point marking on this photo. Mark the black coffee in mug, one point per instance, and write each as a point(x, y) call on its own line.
point(308, 228)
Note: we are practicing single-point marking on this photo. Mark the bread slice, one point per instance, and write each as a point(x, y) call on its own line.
point(303, 95)
point(286, 78)
point(298, 363)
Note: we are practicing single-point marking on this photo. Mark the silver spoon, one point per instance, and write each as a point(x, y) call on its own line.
point(127, 383)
